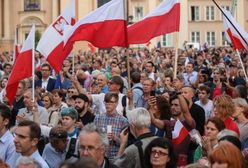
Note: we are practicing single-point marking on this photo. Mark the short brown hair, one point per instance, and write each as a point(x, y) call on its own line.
point(109, 95)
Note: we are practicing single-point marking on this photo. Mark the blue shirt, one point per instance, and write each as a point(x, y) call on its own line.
point(7, 149)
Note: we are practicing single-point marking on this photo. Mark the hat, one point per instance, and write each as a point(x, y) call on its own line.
point(117, 80)
point(70, 111)
point(81, 96)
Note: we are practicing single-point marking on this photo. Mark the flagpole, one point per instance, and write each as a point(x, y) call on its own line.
point(176, 56)
point(127, 46)
point(230, 22)
point(33, 65)
point(242, 65)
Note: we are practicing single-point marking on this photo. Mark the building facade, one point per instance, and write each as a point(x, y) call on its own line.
point(201, 20)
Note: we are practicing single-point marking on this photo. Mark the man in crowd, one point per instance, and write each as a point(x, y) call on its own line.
point(148, 86)
point(46, 83)
point(7, 146)
point(82, 105)
point(94, 143)
point(190, 76)
point(204, 101)
point(137, 88)
point(112, 122)
point(27, 112)
point(139, 122)
point(27, 135)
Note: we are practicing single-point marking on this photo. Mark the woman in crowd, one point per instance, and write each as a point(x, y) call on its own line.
point(47, 101)
point(226, 155)
point(209, 141)
point(159, 154)
point(241, 111)
point(224, 109)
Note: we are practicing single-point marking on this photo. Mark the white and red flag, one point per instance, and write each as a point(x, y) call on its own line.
point(162, 20)
point(179, 133)
point(51, 44)
point(237, 34)
point(91, 48)
point(22, 67)
point(104, 28)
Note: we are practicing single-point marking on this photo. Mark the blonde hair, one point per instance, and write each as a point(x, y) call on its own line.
point(224, 105)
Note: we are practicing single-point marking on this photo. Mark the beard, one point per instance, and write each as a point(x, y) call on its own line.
point(79, 110)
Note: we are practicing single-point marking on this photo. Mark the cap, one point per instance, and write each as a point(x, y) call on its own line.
point(81, 96)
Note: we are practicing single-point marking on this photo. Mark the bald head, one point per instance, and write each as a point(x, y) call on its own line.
point(115, 71)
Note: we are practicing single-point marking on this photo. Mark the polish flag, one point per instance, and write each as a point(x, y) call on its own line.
point(237, 41)
point(22, 67)
point(92, 48)
point(162, 20)
point(104, 28)
point(179, 133)
point(51, 44)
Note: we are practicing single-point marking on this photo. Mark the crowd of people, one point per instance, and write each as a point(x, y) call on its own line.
point(91, 115)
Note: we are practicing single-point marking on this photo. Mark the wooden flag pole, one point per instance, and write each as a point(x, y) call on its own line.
point(242, 65)
point(33, 66)
point(176, 57)
point(126, 4)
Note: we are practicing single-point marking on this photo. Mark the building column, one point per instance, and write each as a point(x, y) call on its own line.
point(7, 19)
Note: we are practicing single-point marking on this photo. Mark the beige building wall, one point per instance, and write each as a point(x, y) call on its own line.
point(14, 19)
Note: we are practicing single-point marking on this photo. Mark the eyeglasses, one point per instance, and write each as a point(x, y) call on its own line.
point(70, 91)
point(89, 149)
point(216, 73)
point(158, 153)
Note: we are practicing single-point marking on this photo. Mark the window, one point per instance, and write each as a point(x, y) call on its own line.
point(210, 13)
point(195, 37)
point(211, 38)
point(225, 7)
point(138, 13)
point(195, 13)
point(224, 38)
point(167, 40)
point(101, 2)
point(31, 5)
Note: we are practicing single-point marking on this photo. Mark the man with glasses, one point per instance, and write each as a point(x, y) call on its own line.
point(148, 85)
point(93, 143)
point(112, 122)
point(27, 135)
point(102, 83)
point(46, 83)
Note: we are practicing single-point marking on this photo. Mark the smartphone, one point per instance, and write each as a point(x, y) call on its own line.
point(152, 93)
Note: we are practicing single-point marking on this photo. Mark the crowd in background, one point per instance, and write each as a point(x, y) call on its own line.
point(91, 114)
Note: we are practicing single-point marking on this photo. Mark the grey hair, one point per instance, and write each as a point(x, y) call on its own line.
point(91, 128)
point(139, 117)
point(24, 160)
point(240, 102)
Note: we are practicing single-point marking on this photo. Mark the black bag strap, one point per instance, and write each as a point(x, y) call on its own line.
point(138, 87)
point(138, 144)
point(72, 148)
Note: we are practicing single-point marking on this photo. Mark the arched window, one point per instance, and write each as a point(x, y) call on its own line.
point(31, 5)
point(101, 2)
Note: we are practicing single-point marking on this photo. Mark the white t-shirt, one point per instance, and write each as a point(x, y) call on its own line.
point(208, 108)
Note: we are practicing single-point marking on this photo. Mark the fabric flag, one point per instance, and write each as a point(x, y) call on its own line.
point(237, 41)
point(104, 28)
point(162, 20)
point(179, 133)
point(92, 48)
point(51, 43)
point(22, 67)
